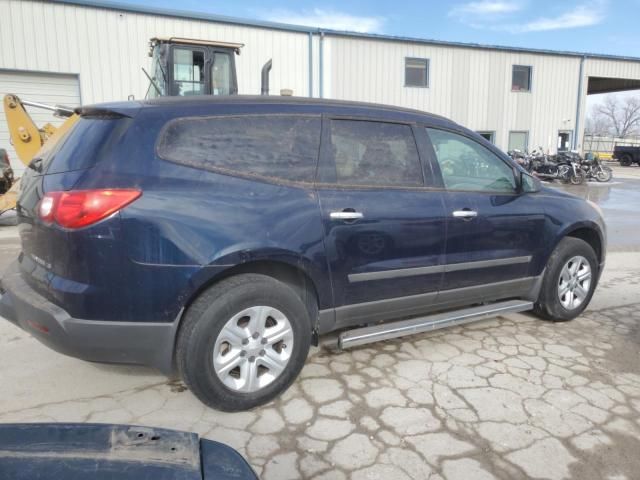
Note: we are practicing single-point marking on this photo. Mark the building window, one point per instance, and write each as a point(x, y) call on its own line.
point(518, 141)
point(564, 140)
point(521, 79)
point(416, 72)
point(488, 135)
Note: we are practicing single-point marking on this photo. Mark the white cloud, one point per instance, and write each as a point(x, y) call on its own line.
point(485, 8)
point(581, 16)
point(503, 15)
point(328, 19)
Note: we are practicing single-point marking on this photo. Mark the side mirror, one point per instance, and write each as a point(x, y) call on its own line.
point(527, 183)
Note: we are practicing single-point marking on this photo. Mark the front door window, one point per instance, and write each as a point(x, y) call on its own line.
point(468, 166)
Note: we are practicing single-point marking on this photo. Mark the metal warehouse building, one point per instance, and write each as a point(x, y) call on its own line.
point(80, 52)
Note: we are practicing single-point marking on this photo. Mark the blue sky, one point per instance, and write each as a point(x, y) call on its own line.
point(597, 26)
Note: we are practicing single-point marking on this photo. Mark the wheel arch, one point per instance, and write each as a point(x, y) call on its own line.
point(294, 276)
point(588, 233)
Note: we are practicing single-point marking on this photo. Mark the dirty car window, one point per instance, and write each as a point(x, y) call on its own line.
point(374, 153)
point(284, 147)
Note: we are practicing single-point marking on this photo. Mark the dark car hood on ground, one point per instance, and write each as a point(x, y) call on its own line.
point(103, 451)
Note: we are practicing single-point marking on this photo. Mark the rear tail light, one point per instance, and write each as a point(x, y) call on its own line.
point(81, 208)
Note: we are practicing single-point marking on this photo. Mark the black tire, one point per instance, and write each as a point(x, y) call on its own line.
point(626, 160)
point(604, 175)
point(564, 173)
point(579, 178)
point(204, 321)
point(548, 305)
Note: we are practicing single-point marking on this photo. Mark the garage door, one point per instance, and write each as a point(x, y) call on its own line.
point(52, 89)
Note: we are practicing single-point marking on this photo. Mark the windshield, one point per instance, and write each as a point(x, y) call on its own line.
point(158, 83)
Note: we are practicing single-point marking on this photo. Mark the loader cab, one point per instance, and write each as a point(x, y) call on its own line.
point(186, 67)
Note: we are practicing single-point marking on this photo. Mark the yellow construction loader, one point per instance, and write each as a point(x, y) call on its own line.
point(28, 139)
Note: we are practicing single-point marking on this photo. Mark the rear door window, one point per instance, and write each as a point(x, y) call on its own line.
point(372, 153)
point(276, 146)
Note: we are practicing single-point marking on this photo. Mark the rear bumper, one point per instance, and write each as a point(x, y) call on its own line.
point(140, 343)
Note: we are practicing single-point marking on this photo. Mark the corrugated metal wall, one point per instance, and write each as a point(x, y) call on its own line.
point(471, 86)
point(107, 48)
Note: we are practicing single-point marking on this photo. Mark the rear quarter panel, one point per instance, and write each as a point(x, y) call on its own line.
point(180, 238)
point(190, 226)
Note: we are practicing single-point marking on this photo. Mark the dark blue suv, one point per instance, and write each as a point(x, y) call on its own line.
point(220, 237)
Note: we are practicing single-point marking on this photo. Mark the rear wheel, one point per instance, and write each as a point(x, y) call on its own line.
point(569, 281)
point(626, 160)
point(243, 342)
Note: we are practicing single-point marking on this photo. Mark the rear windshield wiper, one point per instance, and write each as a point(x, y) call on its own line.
point(36, 164)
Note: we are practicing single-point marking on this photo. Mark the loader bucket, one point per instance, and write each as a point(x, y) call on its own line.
point(9, 199)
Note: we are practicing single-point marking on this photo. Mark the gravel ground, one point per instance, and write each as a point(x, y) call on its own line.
point(512, 397)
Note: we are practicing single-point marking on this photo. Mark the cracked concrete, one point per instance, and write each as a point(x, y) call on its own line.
point(507, 398)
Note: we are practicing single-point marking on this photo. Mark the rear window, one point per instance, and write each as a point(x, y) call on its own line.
point(82, 146)
point(277, 146)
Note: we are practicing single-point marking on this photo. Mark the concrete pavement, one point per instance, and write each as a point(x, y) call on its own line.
point(509, 398)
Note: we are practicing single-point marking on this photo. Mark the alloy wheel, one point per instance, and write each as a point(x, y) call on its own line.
point(574, 282)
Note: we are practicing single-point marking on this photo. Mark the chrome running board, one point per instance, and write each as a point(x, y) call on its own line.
point(386, 331)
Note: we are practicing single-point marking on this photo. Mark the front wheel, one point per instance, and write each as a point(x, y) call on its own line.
point(564, 173)
point(569, 281)
point(243, 342)
point(578, 178)
point(604, 174)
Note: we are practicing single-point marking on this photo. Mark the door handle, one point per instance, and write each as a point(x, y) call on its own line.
point(346, 215)
point(465, 214)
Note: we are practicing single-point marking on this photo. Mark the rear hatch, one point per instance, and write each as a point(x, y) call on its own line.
point(55, 258)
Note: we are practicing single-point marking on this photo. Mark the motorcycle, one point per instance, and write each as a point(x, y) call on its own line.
point(569, 170)
point(565, 166)
point(521, 158)
point(593, 168)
